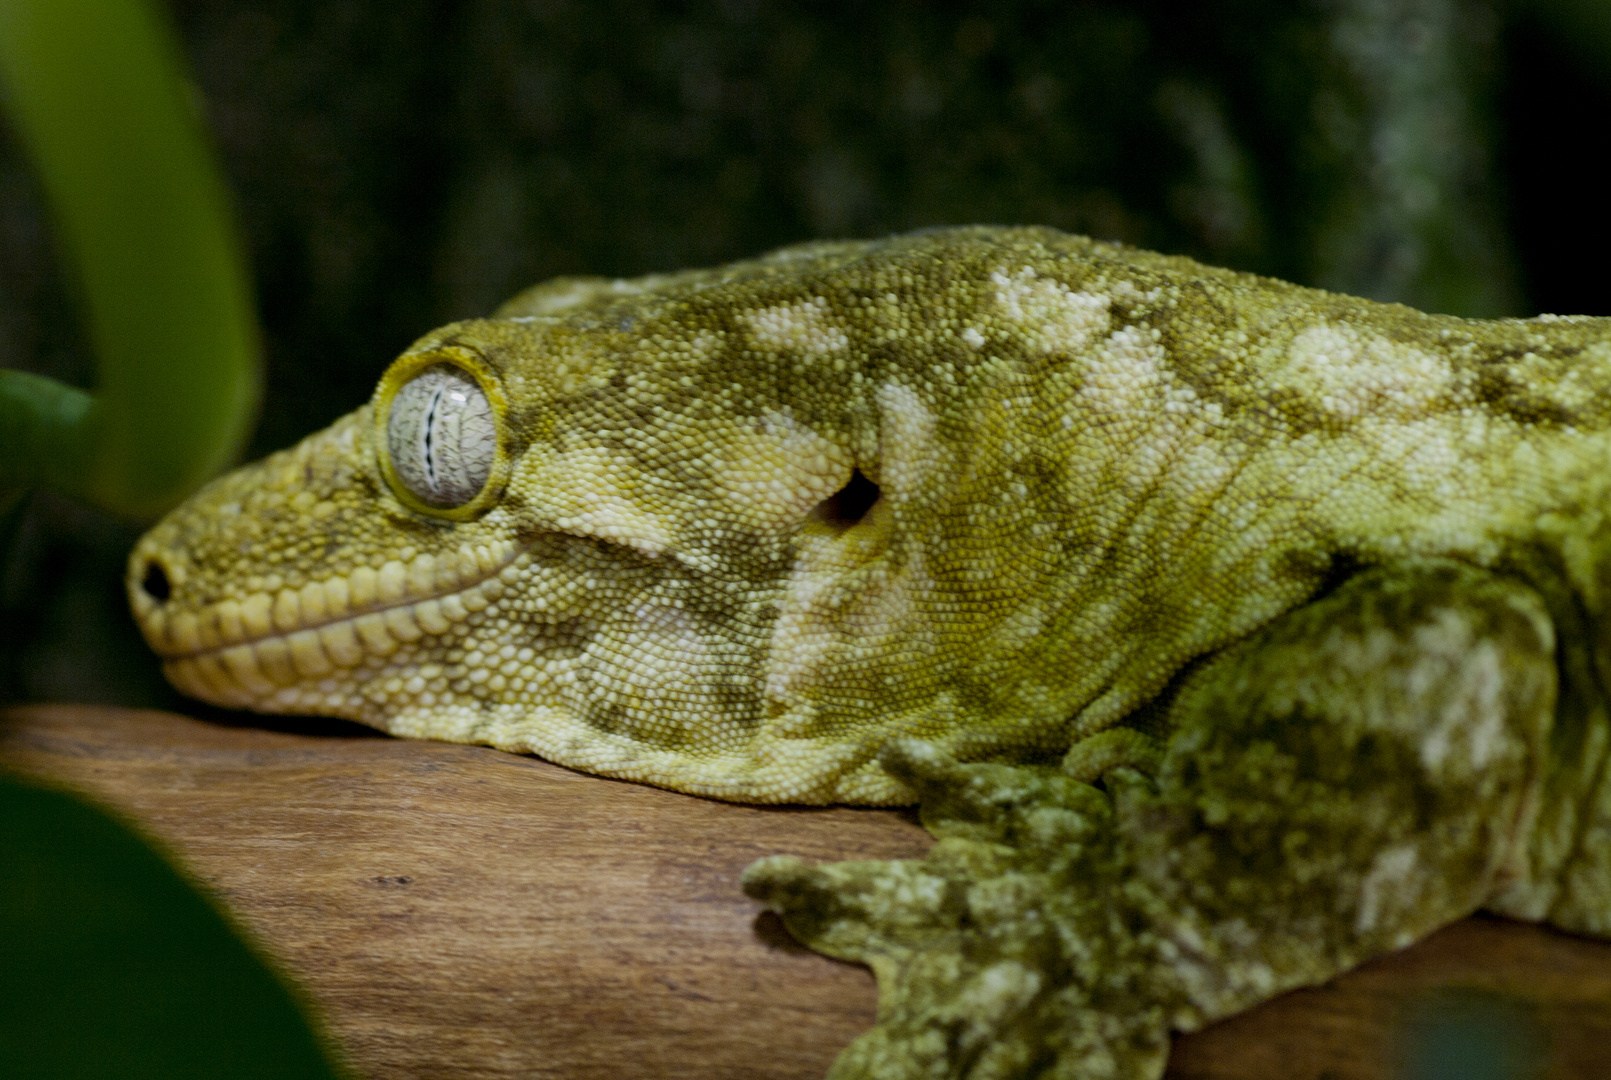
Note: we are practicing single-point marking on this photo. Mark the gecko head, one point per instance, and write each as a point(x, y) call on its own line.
point(633, 544)
point(724, 531)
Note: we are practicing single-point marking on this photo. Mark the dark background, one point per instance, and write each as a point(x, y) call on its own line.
point(397, 164)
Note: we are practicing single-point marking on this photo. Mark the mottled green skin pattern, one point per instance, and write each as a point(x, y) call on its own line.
point(1228, 632)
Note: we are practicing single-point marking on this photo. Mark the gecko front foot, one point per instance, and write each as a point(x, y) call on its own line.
point(1011, 950)
point(1361, 772)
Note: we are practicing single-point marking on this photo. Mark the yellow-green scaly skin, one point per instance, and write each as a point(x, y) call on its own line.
point(1228, 632)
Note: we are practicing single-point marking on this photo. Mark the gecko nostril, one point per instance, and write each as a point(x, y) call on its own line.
point(155, 582)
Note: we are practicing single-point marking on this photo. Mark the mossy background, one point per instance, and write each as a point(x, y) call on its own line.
point(400, 164)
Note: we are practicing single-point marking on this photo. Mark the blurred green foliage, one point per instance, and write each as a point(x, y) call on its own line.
point(116, 967)
point(94, 89)
point(113, 965)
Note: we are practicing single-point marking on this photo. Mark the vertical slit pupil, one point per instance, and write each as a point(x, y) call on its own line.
point(430, 438)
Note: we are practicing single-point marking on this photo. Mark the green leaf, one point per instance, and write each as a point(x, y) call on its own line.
point(95, 90)
point(112, 965)
point(44, 425)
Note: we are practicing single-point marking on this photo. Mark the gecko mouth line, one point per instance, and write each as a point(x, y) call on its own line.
point(238, 652)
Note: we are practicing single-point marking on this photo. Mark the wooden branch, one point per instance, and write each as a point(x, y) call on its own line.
point(462, 913)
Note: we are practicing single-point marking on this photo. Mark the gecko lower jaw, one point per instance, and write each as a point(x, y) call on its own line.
point(249, 652)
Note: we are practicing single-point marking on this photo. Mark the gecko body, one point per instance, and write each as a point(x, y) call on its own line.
point(1228, 632)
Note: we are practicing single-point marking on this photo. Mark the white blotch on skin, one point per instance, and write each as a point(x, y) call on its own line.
point(1472, 719)
point(590, 492)
point(1390, 886)
point(776, 470)
point(1124, 375)
point(907, 446)
point(807, 326)
point(1351, 375)
point(994, 994)
point(818, 619)
point(1051, 317)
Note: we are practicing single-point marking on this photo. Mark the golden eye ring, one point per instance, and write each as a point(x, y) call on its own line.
point(440, 426)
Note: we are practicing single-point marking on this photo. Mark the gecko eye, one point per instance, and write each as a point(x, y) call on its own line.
point(442, 437)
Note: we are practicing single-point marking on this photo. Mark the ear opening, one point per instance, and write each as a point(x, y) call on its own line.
point(850, 504)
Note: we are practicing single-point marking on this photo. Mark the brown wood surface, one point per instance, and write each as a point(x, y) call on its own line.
point(458, 912)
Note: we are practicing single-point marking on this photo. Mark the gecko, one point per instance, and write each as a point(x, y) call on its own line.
point(1226, 632)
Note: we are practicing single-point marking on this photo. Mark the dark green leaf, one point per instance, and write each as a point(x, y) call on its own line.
point(112, 965)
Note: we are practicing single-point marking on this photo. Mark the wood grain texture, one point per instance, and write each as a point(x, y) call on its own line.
point(462, 913)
